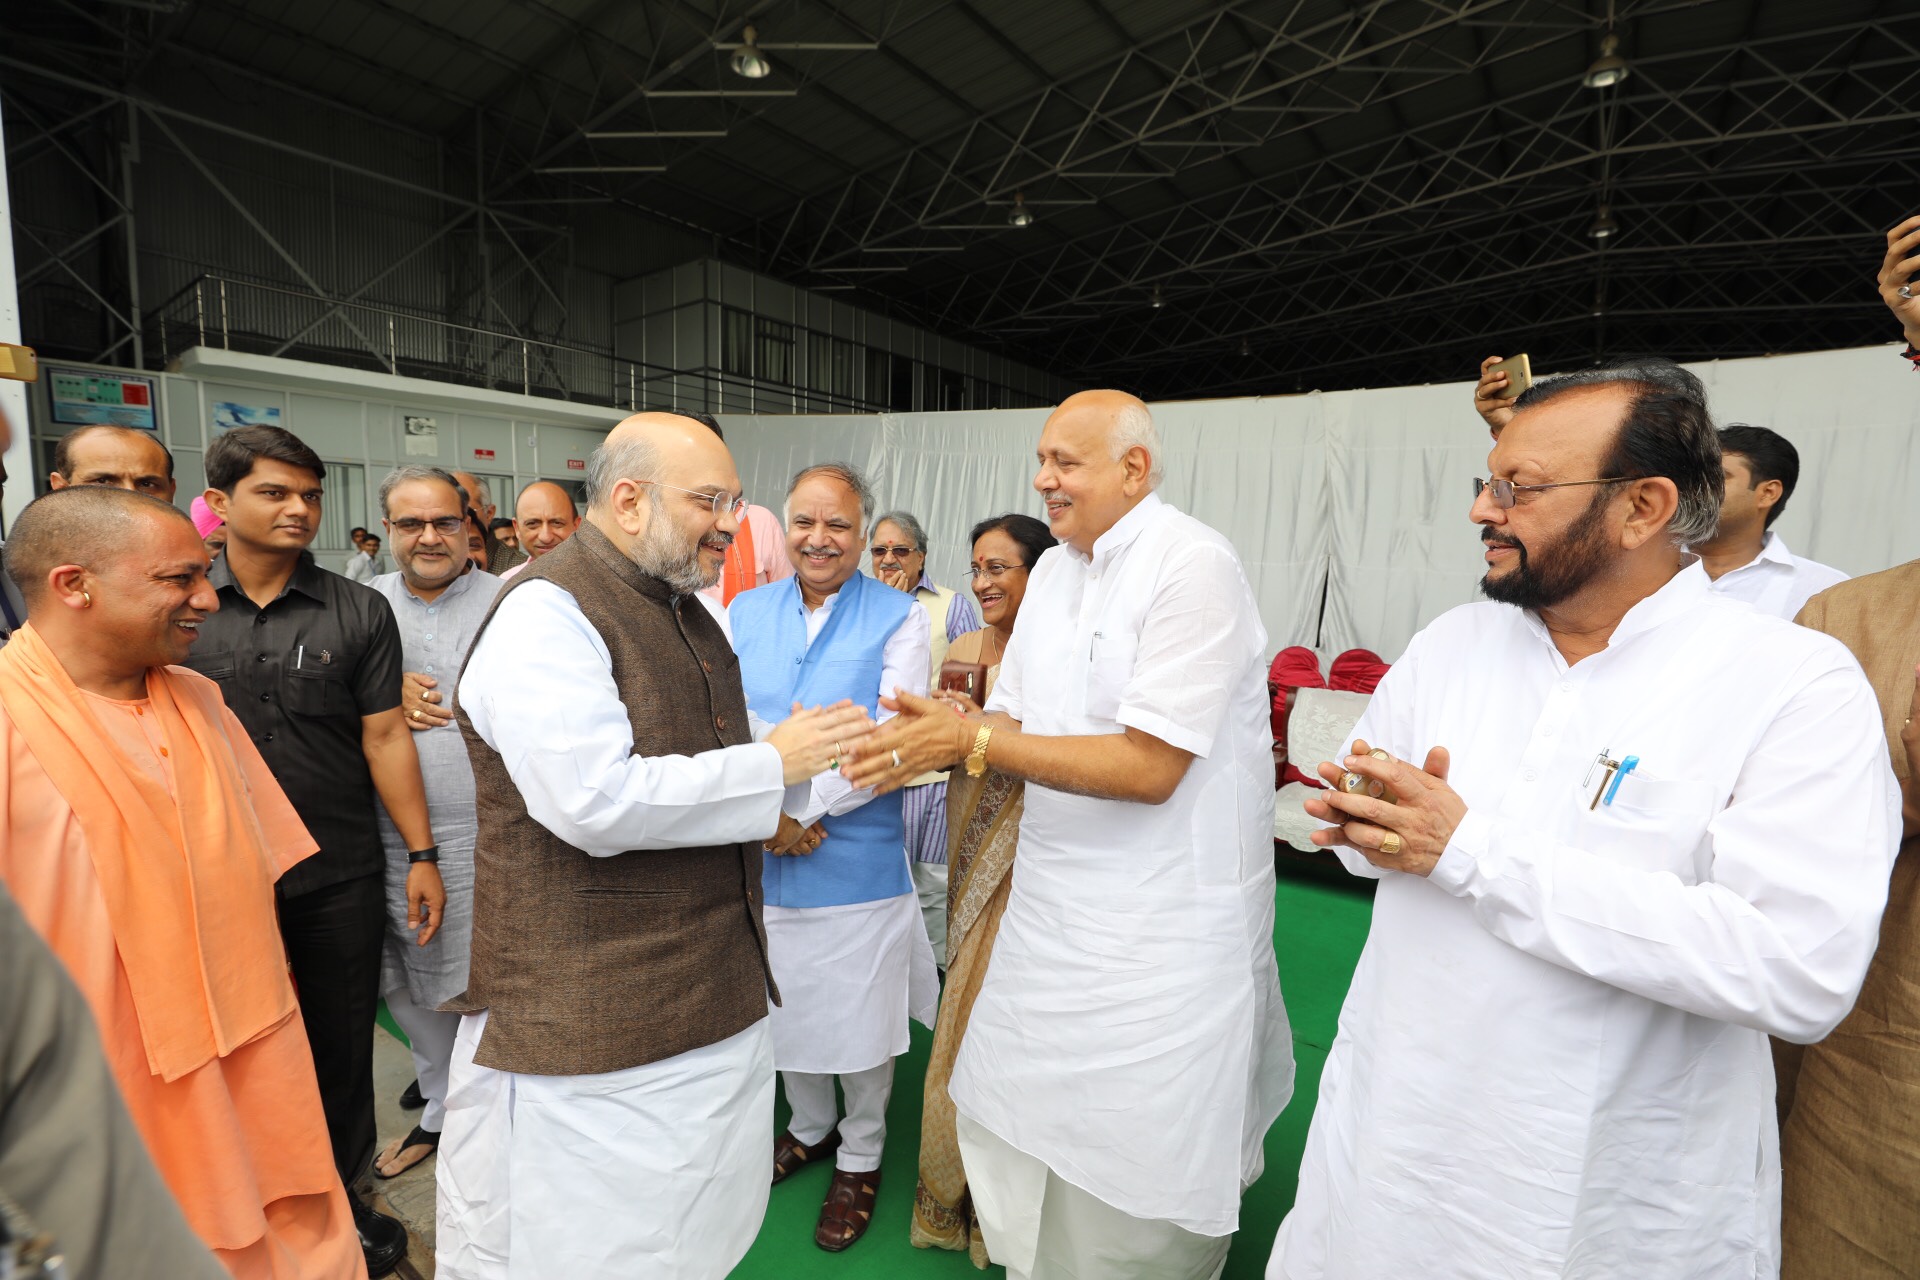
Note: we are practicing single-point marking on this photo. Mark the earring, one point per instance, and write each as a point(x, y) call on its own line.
point(88, 597)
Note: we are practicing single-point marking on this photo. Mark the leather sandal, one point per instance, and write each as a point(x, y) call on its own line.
point(789, 1153)
point(848, 1211)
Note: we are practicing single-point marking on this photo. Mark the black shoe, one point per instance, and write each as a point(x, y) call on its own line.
point(382, 1239)
point(411, 1099)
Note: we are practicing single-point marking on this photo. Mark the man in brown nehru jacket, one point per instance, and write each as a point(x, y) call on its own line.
point(611, 1092)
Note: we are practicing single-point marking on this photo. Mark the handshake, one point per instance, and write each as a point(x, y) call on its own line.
point(810, 742)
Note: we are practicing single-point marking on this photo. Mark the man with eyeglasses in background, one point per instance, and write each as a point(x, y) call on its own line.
point(439, 601)
point(900, 560)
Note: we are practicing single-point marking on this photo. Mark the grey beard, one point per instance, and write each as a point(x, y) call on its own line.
point(664, 553)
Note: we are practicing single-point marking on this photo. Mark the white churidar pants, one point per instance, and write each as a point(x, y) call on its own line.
point(864, 1131)
point(1042, 1227)
point(657, 1171)
point(430, 1035)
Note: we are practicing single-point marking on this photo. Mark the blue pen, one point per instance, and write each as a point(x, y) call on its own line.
point(1620, 776)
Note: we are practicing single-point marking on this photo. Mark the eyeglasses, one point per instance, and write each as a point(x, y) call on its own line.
point(993, 570)
point(413, 526)
point(723, 503)
point(893, 553)
point(1506, 492)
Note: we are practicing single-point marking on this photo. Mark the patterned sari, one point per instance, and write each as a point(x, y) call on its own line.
point(983, 822)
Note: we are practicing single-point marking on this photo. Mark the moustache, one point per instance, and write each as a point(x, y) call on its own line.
point(1492, 539)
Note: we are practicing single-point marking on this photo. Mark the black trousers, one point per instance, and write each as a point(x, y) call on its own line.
point(334, 937)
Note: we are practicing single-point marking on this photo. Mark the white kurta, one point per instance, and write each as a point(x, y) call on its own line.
point(1553, 1059)
point(1777, 581)
point(851, 977)
point(1129, 1032)
point(659, 1170)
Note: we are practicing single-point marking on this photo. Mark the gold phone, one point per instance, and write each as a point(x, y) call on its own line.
point(1519, 375)
point(18, 364)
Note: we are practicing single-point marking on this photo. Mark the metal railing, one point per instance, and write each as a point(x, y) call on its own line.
point(268, 319)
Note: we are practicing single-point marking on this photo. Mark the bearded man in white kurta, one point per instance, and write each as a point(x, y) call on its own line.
point(1128, 1048)
point(612, 1080)
point(1653, 826)
point(844, 935)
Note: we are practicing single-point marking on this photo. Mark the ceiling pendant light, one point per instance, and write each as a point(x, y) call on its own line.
point(1159, 299)
point(1603, 224)
point(1021, 216)
point(1609, 68)
point(748, 61)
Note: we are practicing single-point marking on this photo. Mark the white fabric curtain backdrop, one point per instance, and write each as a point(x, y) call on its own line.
point(1362, 496)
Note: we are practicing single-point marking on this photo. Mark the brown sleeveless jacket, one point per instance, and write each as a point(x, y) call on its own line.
point(590, 964)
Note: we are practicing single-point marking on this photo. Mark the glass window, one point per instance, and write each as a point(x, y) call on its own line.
point(343, 507)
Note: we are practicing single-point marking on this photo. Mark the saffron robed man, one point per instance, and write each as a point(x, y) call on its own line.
point(1651, 824)
point(142, 838)
point(1128, 1048)
point(612, 1083)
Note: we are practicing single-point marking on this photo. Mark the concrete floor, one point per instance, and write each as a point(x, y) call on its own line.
point(408, 1197)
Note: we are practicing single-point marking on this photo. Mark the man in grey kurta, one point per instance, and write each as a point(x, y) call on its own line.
point(439, 600)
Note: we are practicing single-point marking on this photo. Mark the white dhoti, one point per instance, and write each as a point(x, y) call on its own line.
point(850, 977)
point(657, 1171)
point(1039, 1226)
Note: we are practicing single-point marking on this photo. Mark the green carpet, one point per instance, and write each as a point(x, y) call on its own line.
point(1319, 926)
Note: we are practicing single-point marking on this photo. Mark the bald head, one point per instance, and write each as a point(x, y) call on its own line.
point(118, 456)
point(663, 488)
point(85, 525)
point(544, 517)
point(1099, 457)
point(1122, 420)
point(646, 447)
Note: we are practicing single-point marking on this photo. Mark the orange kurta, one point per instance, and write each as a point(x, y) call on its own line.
point(241, 1139)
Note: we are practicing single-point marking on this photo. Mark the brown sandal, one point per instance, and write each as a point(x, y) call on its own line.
point(848, 1212)
point(789, 1154)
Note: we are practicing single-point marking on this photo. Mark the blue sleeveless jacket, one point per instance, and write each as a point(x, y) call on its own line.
point(863, 858)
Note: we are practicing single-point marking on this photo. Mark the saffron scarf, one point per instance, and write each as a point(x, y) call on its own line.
point(188, 883)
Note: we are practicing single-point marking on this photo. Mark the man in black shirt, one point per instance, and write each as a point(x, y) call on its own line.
point(311, 665)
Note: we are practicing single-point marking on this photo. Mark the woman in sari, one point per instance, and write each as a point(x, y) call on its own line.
point(983, 827)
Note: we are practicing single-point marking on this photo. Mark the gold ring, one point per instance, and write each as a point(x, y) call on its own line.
point(838, 750)
point(417, 715)
point(1391, 845)
point(896, 757)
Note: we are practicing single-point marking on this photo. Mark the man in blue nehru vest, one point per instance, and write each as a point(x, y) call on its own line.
point(844, 935)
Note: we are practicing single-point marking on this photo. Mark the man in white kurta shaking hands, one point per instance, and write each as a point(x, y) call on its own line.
point(1128, 1048)
point(1651, 825)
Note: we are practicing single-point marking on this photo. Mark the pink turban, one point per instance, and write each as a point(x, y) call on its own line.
point(203, 518)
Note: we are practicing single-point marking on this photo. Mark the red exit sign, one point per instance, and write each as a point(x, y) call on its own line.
point(483, 453)
point(576, 464)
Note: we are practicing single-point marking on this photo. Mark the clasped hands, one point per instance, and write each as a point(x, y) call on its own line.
point(925, 735)
point(1416, 818)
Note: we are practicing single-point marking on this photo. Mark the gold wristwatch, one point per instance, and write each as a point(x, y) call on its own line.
point(977, 758)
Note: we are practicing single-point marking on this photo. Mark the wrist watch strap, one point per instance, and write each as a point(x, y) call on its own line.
point(977, 758)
